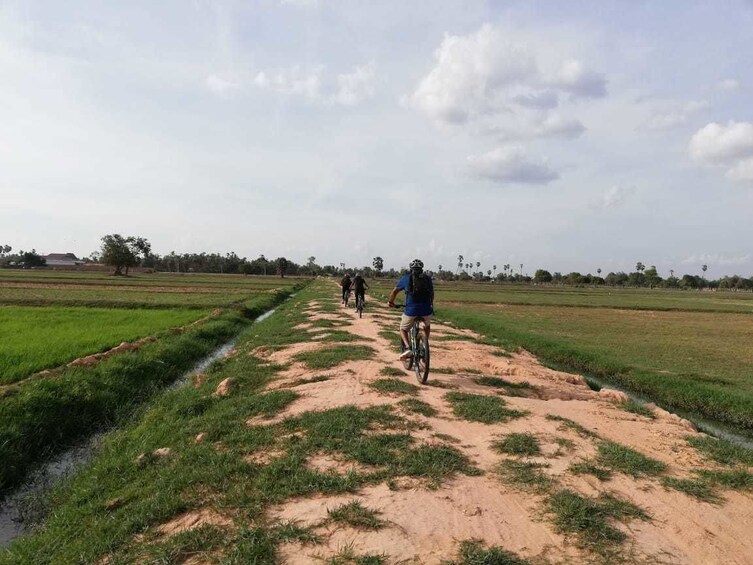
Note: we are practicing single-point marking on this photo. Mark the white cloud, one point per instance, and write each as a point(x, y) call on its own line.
point(488, 77)
point(222, 86)
point(615, 196)
point(675, 115)
point(509, 164)
point(300, 3)
point(294, 80)
point(353, 88)
point(717, 259)
point(729, 146)
point(579, 81)
point(542, 100)
point(729, 85)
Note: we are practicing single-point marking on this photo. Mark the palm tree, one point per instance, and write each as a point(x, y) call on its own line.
point(478, 265)
point(598, 271)
point(378, 264)
point(495, 270)
point(460, 262)
point(640, 267)
point(704, 268)
point(672, 273)
point(521, 269)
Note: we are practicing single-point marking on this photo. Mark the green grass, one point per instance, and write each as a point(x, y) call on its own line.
point(329, 357)
point(518, 444)
point(590, 519)
point(348, 556)
point(83, 524)
point(32, 339)
point(481, 408)
point(473, 552)
point(317, 379)
point(683, 360)
point(568, 424)
point(590, 468)
point(526, 475)
point(637, 408)
point(626, 460)
point(417, 406)
point(735, 479)
point(698, 488)
point(391, 372)
point(721, 450)
point(356, 515)
point(394, 386)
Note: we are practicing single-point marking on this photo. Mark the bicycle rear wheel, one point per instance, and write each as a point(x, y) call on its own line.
point(422, 361)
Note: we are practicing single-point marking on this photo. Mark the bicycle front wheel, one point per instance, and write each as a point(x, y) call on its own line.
point(422, 360)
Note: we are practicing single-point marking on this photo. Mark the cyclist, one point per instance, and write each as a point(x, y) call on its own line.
point(345, 283)
point(419, 301)
point(359, 287)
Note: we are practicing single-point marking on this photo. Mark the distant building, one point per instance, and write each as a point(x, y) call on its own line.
point(62, 260)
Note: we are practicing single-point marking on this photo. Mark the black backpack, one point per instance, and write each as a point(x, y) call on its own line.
point(420, 288)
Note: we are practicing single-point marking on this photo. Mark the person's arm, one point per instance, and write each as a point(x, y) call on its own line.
point(391, 299)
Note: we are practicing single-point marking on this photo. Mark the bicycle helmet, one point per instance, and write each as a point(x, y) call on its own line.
point(417, 265)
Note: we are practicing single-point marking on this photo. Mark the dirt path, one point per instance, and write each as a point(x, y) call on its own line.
point(568, 421)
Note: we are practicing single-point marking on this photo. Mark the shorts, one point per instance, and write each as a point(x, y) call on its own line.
point(407, 321)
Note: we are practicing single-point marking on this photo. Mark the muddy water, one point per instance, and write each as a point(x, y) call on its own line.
point(24, 507)
point(710, 427)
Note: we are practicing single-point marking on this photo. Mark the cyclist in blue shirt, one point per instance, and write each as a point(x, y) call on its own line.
point(419, 301)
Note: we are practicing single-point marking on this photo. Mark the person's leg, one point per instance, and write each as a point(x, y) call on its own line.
point(405, 324)
point(427, 326)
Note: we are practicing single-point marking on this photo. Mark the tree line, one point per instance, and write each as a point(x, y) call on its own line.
point(123, 253)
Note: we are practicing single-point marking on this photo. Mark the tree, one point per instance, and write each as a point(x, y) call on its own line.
point(282, 266)
point(311, 265)
point(460, 262)
point(5, 249)
point(378, 264)
point(495, 270)
point(652, 277)
point(32, 258)
point(598, 271)
point(704, 268)
point(640, 267)
point(542, 276)
point(123, 252)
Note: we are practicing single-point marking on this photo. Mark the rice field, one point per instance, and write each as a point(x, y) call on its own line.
point(689, 350)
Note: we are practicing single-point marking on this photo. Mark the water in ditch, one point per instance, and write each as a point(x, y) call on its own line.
point(23, 507)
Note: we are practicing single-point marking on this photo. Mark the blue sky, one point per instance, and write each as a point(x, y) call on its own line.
point(572, 136)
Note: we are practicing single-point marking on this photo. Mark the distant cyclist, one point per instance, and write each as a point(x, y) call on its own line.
point(419, 301)
point(346, 283)
point(359, 287)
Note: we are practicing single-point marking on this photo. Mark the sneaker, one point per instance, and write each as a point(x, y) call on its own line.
point(407, 354)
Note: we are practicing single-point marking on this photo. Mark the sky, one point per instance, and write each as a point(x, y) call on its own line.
point(558, 135)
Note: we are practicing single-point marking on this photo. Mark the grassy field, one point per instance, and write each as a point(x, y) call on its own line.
point(40, 416)
point(36, 338)
point(158, 290)
point(687, 350)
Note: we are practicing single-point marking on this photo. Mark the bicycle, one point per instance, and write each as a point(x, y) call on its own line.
point(346, 299)
point(359, 305)
point(419, 346)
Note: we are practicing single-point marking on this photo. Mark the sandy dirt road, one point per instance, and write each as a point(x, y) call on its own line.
point(426, 525)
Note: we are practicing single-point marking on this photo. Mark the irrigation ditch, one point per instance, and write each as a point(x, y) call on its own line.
point(24, 505)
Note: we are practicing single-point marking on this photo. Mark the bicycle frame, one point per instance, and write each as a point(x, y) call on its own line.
point(419, 346)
